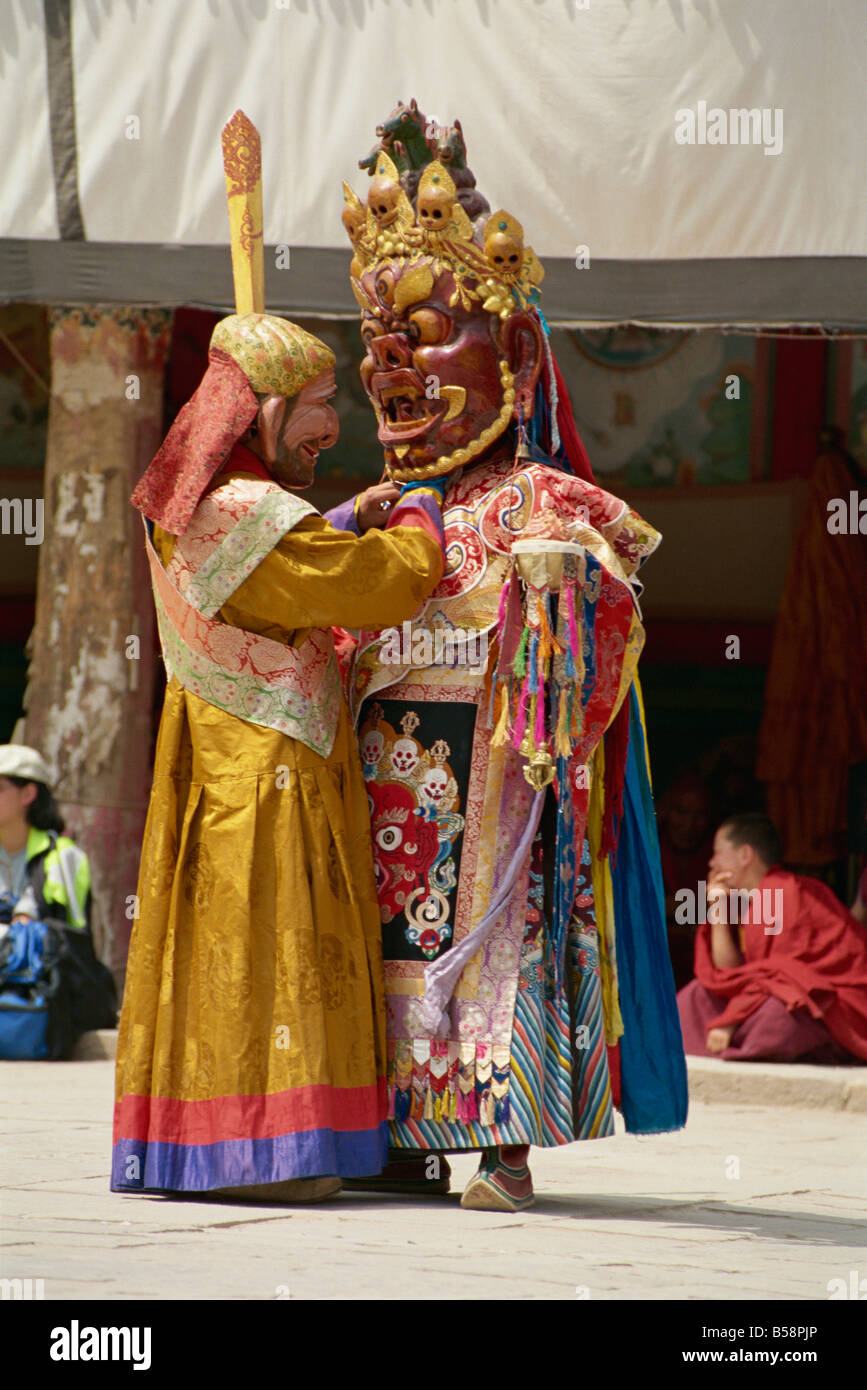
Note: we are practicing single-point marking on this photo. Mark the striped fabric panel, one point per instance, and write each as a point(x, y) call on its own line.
point(557, 1107)
point(593, 1082)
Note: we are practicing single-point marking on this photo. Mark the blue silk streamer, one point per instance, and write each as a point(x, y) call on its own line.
point(652, 1064)
point(564, 870)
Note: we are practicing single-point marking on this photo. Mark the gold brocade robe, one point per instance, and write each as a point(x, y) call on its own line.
point(252, 1038)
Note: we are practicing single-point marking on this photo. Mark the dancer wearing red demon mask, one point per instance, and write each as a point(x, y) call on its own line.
point(528, 983)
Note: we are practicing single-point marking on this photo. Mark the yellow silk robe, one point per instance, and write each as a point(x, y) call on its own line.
point(252, 1037)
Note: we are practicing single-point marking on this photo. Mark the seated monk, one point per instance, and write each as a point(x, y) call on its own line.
point(781, 965)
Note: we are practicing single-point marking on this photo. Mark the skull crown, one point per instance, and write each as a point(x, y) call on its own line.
point(487, 257)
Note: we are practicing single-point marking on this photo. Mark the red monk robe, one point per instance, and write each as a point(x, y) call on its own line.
point(801, 992)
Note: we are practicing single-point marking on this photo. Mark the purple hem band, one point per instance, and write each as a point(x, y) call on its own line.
point(160, 1167)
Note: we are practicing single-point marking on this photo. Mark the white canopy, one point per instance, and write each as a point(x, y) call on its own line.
point(647, 131)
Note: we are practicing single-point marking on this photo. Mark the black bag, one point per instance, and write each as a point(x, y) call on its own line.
point(93, 994)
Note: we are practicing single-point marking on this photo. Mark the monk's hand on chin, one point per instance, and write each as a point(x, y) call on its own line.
point(717, 887)
point(373, 506)
point(717, 884)
point(718, 1039)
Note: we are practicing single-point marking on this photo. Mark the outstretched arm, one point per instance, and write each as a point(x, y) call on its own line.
point(320, 577)
point(368, 509)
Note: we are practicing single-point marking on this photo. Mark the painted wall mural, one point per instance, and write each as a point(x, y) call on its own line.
point(659, 408)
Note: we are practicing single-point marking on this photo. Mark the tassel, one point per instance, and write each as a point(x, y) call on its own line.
point(392, 1096)
point(576, 713)
point(562, 742)
point(544, 630)
point(534, 670)
point(548, 645)
point(580, 668)
point(519, 665)
point(539, 720)
point(402, 1105)
point(499, 737)
point(501, 1110)
point(569, 664)
point(521, 720)
point(574, 645)
point(501, 611)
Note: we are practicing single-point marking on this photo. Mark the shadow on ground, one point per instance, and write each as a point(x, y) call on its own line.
point(810, 1228)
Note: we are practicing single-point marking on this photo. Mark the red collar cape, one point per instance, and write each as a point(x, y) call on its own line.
point(198, 444)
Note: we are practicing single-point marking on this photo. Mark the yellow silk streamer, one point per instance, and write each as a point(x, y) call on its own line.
point(603, 894)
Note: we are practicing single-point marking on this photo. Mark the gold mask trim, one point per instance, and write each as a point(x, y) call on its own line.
point(457, 399)
point(447, 463)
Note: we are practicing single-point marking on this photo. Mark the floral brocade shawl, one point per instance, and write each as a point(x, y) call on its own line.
point(450, 810)
point(295, 690)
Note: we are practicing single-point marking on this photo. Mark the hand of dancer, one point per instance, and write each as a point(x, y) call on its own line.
point(373, 506)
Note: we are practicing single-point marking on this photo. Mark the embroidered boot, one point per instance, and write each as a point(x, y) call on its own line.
point(503, 1182)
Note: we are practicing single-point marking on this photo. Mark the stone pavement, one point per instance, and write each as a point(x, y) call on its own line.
point(747, 1202)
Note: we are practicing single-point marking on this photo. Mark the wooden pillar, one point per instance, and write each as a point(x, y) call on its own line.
point(89, 698)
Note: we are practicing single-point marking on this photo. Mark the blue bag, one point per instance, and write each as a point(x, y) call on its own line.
point(31, 992)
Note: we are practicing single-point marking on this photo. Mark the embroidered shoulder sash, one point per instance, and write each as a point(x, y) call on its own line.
point(295, 690)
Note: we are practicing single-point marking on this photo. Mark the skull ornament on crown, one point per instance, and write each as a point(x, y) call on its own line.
point(447, 292)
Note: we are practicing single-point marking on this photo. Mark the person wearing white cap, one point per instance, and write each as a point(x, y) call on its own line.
point(42, 872)
point(45, 904)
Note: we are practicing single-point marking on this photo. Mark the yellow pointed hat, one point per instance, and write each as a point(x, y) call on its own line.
point(276, 356)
